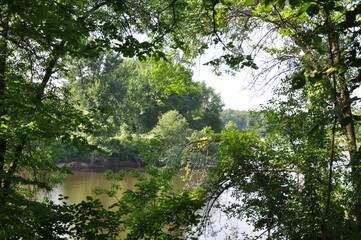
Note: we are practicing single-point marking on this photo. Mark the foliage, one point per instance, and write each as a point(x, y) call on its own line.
point(280, 188)
point(167, 140)
point(314, 48)
point(242, 119)
point(154, 210)
point(293, 180)
point(132, 95)
point(171, 129)
point(137, 93)
point(36, 39)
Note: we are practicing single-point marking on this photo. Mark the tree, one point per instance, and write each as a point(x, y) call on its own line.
point(171, 129)
point(317, 51)
point(201, 106)
point(242, 119)
point(279, 178)
point(133, 94)
point(36, 38)
point(137, 93)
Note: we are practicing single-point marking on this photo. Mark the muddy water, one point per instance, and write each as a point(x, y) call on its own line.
point(81, 184)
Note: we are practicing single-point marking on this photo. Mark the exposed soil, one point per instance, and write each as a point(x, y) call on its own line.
point(101, 166)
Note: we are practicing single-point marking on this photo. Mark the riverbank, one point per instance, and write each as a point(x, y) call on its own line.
point(101, 166)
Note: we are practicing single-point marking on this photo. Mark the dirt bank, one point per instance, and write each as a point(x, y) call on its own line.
point(101, 166)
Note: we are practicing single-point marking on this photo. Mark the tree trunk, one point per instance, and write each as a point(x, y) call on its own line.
point(347, 122)
point(3, 56)
point(18, 151)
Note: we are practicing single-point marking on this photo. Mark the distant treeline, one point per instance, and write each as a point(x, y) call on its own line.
point(134, 101)
point(243, 119)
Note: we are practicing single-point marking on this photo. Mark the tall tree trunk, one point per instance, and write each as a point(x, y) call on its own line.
point(3, 56)
point(347, 121)
point(18, 150)
point(355, 164)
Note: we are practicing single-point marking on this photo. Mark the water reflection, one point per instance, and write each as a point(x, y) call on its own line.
point(81, 184)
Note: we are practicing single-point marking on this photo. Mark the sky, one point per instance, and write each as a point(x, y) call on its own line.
point(234, 90)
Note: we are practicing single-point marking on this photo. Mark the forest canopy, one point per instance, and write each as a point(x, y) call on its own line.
point(94, 75)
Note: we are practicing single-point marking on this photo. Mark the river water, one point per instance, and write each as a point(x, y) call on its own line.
point(81, 184)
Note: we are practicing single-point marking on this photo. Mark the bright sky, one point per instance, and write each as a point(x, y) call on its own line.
point(234, 90)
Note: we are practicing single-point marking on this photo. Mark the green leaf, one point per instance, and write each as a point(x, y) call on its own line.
point(248, 2)
point(267, 3)
point(317, 42)
point(342, 69)
point(6, 117)
point(330, 70)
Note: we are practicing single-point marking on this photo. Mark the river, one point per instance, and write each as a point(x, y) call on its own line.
point(81, 184)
